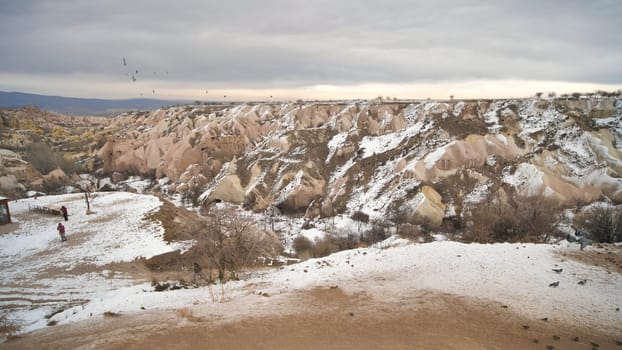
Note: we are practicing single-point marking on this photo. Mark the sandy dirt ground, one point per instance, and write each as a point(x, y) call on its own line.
point(326, 318)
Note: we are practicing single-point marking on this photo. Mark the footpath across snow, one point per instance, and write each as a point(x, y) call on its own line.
point(515, 275)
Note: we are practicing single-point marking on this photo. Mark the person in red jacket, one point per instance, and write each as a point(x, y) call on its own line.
point(63, 210)
point(61, 232)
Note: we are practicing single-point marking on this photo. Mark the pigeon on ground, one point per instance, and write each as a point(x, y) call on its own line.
point(582, 282)
point(554, 284)
point(558, 270)
point(580, 236)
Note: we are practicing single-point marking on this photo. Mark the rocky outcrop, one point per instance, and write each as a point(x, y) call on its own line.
point(376, 157)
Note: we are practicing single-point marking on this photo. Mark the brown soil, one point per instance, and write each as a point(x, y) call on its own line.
point(327, 318)
point(608, 256)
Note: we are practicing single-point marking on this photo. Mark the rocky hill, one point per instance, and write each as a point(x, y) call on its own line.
point(376, 158)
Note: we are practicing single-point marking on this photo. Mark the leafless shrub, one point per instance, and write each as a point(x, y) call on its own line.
point(526, 218)
point(410, 231)
point(7, 325)
point(373, 235)
point(603, 223)
point(360, 217)
point(41, 156)
point(303, 246)
point(232, 244)
point(334, 242)
point(44, 159)
point(324, 246)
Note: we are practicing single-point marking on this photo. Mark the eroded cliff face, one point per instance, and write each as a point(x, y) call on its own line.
point(321, 159)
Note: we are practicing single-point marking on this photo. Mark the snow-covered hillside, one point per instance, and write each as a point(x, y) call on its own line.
point(46, 282)
point(377, 157)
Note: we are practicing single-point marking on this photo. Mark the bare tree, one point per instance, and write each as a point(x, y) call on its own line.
point(232, 244)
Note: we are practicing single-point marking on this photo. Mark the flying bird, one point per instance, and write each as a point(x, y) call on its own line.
point(554, 284)
point(153, 91)
point(137, 71)
point(124, 63)
point(133, 78)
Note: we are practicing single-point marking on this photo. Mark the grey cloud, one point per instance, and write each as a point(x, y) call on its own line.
point(251, 43)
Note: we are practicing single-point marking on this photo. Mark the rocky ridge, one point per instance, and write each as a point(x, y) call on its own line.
point(375, 158)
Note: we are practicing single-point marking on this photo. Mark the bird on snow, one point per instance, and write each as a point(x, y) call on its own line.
point(582, 282)
point(558, 270)
point(580, 236)
point(554, 284)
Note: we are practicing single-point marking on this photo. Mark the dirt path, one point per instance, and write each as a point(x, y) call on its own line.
point(327, 318)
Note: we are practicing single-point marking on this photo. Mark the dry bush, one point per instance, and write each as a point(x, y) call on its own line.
point(525, 219)
point(333, 242)
point(303, 246)
point(231, 244)
point(324, 246)
point(7, 326)
point(410, 231)
point(41, 156)
point(374, 235)
point(604, 224)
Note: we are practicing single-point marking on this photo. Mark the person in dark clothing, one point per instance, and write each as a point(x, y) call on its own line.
point(63, 210)
point(198, 272)
point(61, 232)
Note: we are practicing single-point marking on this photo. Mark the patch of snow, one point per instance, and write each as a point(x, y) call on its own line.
point(458, 107)
point(313, 234)
point(334, 144)
point(433, 157)
point(478, 194)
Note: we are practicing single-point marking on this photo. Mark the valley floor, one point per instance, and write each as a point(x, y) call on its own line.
point(92, 293)
point(327, 318)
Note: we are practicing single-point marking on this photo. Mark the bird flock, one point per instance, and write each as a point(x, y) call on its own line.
point(133, 75)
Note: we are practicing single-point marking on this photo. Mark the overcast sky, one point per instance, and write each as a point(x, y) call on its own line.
point(245, 49)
